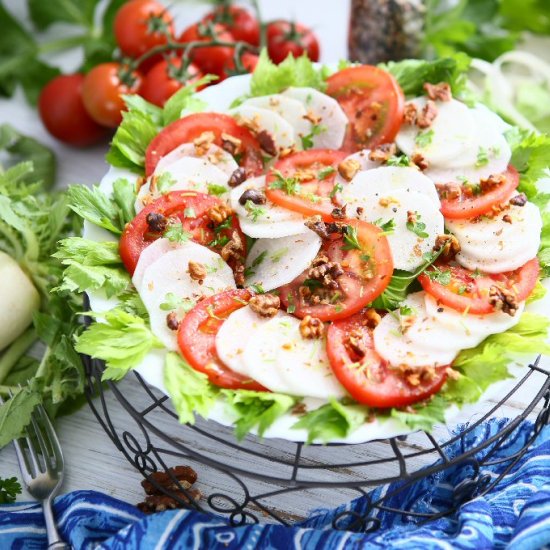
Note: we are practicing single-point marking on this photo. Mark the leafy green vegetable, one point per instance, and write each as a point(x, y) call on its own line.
point(9, 489)
point(15, 413)
point(424, 415)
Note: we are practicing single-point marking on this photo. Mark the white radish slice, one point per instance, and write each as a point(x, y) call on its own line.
point(495, 246)
point(150, 255)
point(397, 347)
point(276, 262)
point(362, 157)
point(169, 275)
point(282, 361)
point(188, 173)
point(215, 155)
point(235, 334)
point(407, 247)
point(281, 131)
point(371, 185)
point(331, 115)
point(290, 109)
point(452, 132)
point(273, 223)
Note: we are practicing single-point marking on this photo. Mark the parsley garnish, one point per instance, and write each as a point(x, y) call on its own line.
point(254, 211)
point(258, 289)
point(276, 256)
point(351, 241)
point(398, 160)
point(165, 182)
point(189, 213)
point(439, 276)
point(325, 172)
point(291, 305)
point(417, 227)
point(291, 186)
point(220, 240)
point(312, 284)
point(482, 157)
point(173, 301)
point(406, 310)
point(9, 489)
point(215, 189)
point(316, 129)
point(226, 224)
point(257, 261)
point(423, 139)
point(338, 188)
point(176, 234)
point(387, 227)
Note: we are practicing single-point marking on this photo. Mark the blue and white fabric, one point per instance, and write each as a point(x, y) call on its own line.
point(514, 515)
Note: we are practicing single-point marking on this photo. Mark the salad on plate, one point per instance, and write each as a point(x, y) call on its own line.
point(317, 254)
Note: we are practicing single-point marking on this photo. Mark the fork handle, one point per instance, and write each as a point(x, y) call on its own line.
point(55, 542)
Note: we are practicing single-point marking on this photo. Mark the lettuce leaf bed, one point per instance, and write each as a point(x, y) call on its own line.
point(122, 337)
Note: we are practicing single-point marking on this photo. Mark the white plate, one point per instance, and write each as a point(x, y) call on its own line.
point(218, 97)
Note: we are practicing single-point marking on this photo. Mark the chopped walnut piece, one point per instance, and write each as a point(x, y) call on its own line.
point(237, 177)
point(383, 153)
point(449, 244)
point(287, 151)
point(238, 274)
point(299, 409)
point(231, 144)
point(339, 213)
point(503, 299)
point(412, 216)
point(486, 184)
point(185, 475)
point(519, 200)
point(160, 503)
point(172, 321)
point(372, 318)
point(355, 342)
point(348, 168)
point(426, 117)
point(267, 143)
point(312, 117)
point(449, 191)
point(420, 161)
point(311, 328)
point(219, 213)
point(203, 143)
point(197, 271)
point(234, 248)
point(257, 196)
point(317, 225)
point(305, 174)
point(438, 92)
point(410, 112)
point(265, 305)
point(326, 272)
point(156, 222)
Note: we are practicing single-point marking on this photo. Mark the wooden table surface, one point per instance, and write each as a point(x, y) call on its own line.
point(92, 460)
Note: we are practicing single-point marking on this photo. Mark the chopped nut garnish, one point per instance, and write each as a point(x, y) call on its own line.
point(265, 305)
point(439, 92)
point(388, 201)
point(486, 184)
point(305, 174)
point(372, 318)
point(219, 213)
point(420, 161)
point(519, 200)
point(237, 177)
point(406, 321)
point(355, 342)
point(185, 476)
point(339, 213)
point(197, 271)
point(267, 143)
point(287, 151)
point(234, 248)
point(299, 409)
point(231, 144)
point(203, 143)
point(253, 195)
point(172, 321)
point(325, 271)
point(317, 225)
point(312, 117)
point(410, 112)
point(348, 168)
point(160, 503)
point(311, 328)
point(448, 191)
point(238, 274)
point(503, 300)
point(426, 117)
point(156, 222)
point(383, 152)
point(507, 218)
point(449, 244)
point(411, 216)
point(452, 374)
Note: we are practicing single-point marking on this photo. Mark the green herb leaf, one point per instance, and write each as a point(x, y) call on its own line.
point(423, 139)
point(15, 413)
point(399, 160)
point(215, 189)
point(325, 173)
point(184, 102)
point(173, 302)
point(351, 240)
point(9, 489)
point(176, 234)
point(254, 211)
point(124, 196)
point(443, 277)
point(307, 140)
point(417, 226)
point(164, 182)
point(338, 188)
point(387, 227)
point(290, 185)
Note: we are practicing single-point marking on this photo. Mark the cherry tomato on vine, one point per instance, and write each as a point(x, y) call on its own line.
point(64, 115)
point(141, 25)
point(287, 37)
point(238, 21)
point(249, 61)
point(166, 78)
point(102, 92)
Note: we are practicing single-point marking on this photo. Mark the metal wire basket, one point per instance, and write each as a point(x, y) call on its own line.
point(281, 481)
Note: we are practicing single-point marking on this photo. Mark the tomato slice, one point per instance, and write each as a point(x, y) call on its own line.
point(197, 339)
point(188, 207)
point(368, 378)
point(468, 291)
point(186, 129)
point(304, 181)
point(373, 102)
point(471, 205)
point(367, 270)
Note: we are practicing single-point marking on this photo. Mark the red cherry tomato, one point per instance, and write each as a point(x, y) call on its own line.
point(165, 79)
point(141, 25)
point(470, 205)
point(365, 375)
point(367, 265)
point(286, 37)
point(373, 102)
point(64, 115)
point(210, 59)
point(186, 129)
point(137, 235)
point(249, 61)
point(197, 339)
point(102, 92)
point(310, 197)
point(238, 21)
point(468, 291)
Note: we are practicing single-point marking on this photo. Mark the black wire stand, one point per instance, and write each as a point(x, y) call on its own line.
point(256, 478)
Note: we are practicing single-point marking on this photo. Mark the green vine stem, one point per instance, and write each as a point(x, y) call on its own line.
point(15, 351)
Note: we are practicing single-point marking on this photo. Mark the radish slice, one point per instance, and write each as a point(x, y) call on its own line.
point(282, 361)
point(167, 286)
point(150, 255)
point(327, 109)
point(215, 155)
point(276, 262)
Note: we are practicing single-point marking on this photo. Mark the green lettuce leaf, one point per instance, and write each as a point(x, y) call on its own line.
point(15, 413)
point(423, 416)
point(190, 390)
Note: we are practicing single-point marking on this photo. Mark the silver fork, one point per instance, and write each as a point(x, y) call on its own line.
point(42, 469)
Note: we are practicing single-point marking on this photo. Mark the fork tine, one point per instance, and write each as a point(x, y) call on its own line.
point(54, 440)
point(46, 454)
point(22, 460)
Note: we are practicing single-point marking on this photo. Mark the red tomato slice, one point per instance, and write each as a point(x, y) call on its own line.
point(308, 182)
point(373, 102)
point(197, 339)
point(468, 291)
point(137, 234)
point(469, 205)
point(186, 129)
point(368, 378)
point(367, 272)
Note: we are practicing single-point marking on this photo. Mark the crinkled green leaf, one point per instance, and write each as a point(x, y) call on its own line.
point(15, 414)
point(423, 416)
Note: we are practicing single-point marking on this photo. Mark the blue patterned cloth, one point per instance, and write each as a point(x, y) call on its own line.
point(516, 515)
